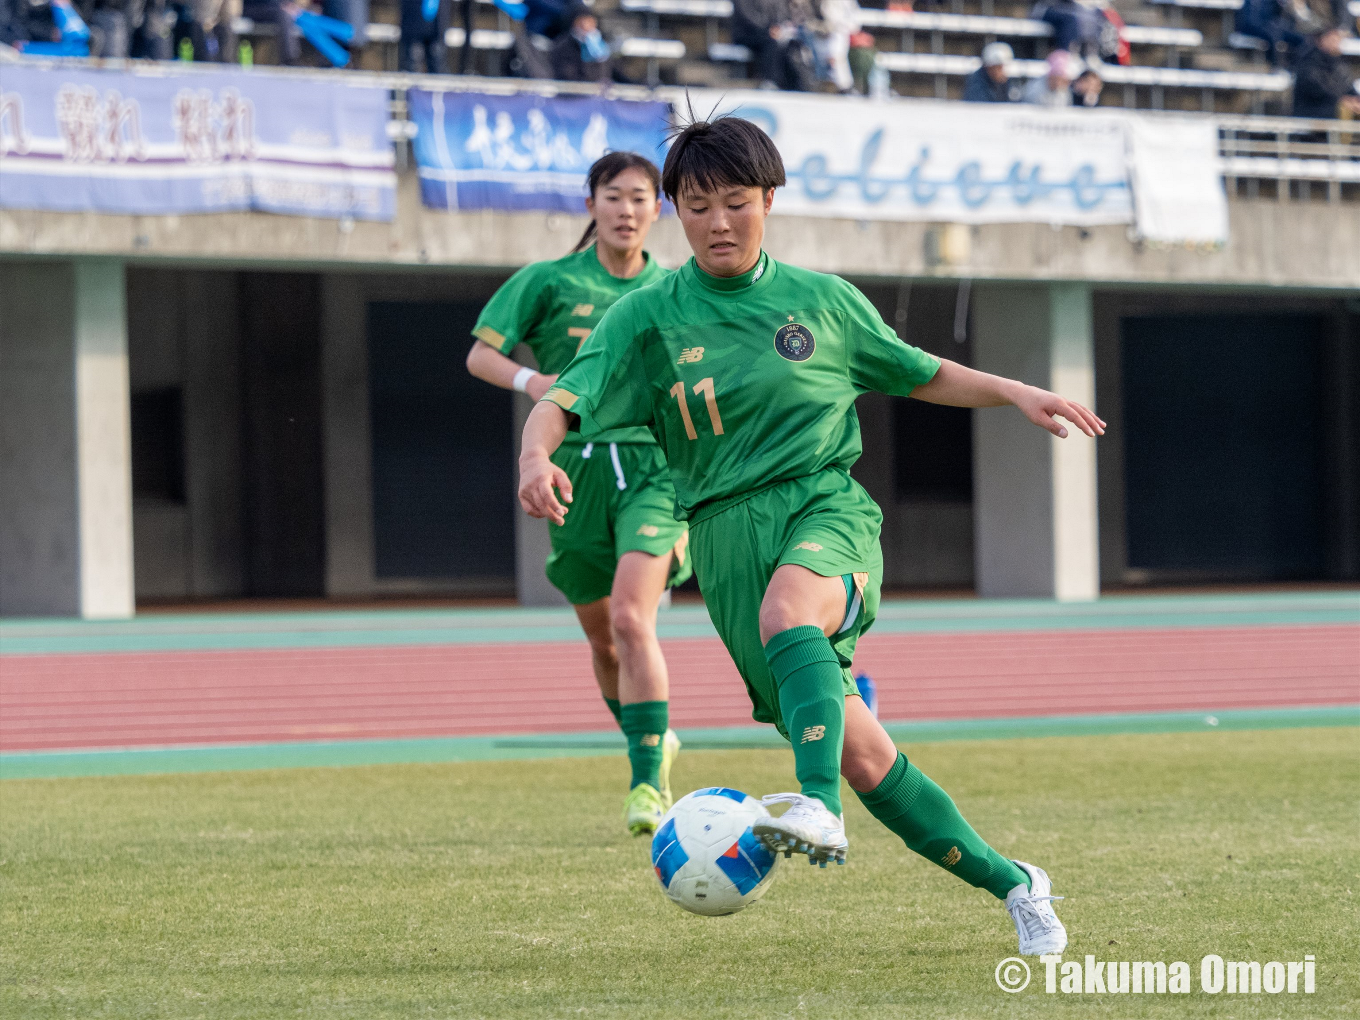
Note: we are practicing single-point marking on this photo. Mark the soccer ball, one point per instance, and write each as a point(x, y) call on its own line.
point(705, 855)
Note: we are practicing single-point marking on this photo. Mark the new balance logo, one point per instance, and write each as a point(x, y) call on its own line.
point(583, 310)
point(651, 740)
point(690, 356)
point(952, 858)
point(809, 546)
point(813, 733)
point(650, 530)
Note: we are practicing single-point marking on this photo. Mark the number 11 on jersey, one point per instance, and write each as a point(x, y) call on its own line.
point(704, 386)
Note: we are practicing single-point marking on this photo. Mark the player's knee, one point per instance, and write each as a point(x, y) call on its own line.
point(859, 771)
point(629, 623)
point(775, 616)
point(602, 648)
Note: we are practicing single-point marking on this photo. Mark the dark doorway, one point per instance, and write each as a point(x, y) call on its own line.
point(1223, 446)
point(281, 377)
point(443, 460)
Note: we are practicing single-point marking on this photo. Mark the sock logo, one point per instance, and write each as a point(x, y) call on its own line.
point(952, 858)
point(650, 739)
point(813, 733)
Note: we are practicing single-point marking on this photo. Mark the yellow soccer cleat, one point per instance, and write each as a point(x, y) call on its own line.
point(670, 749)
point(643, 810)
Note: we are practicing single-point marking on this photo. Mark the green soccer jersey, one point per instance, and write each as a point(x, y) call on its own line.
point(744, 381)
point(553, 306)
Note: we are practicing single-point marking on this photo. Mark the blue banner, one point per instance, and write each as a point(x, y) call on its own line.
point(478, 151)
point(158, 142)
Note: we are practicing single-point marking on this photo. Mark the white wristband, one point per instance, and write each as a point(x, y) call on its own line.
point(522, 378)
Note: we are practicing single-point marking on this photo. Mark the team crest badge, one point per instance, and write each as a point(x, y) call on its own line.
point(794, 342)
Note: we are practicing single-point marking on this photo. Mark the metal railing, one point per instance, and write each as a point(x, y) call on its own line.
point(1293, 153)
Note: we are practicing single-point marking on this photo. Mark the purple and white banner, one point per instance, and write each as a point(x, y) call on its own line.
point(519, 152)
point(160, 143)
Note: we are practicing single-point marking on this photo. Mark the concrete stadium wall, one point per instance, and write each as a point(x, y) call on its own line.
point(198, 548)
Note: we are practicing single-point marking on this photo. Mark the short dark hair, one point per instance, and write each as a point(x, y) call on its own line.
point(605, 169)
point(724, 152)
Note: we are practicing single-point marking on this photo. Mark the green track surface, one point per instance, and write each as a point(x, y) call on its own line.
point(376, 628)
point(509, 889)
point(311, 754)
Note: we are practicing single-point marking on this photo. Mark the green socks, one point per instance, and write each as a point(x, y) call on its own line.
point(614, 709)
point(910, 804)
point(645, 725)
point(812, 702)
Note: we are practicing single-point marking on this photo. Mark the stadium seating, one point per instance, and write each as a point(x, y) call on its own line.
point(1238, 41)
point(1200, 65)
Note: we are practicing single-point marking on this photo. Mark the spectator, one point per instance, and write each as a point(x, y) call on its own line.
point(548, 18)
point(862, 56)
point(1323, 89)
point(207, 26)
point(21, 22)
point(110, 32)
point(829, 36)
point(151, 23)
point(991, 83)
point(1341, 16)
point(352, 12)
point(767, 28)
point(580, 53)
point(1087, 88)
point(278, 13)
point(1055, 88)
point(52, 29)
point(1278, 22)
point(536, 24)
point(1114, 48)
point(1076, 26)
point(423, 23)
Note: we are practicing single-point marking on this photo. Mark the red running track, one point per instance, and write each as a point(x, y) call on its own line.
point(159, 698)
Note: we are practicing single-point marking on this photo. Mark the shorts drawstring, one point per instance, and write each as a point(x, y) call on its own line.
point(585, 454)
point(618, 468)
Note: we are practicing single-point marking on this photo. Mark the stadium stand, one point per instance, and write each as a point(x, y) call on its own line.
point(1238, 41)
point(1184, 54)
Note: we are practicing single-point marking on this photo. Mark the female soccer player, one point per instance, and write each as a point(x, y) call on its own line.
point(747, 369)
point(614, 558)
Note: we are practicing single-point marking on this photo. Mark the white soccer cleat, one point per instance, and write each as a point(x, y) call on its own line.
point(1031, 909)
point(807, 827)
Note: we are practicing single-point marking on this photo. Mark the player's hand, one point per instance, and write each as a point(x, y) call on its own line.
point(538, 477)
point(1044, 408)
point(539, 385)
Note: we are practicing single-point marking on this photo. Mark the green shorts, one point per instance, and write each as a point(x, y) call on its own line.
point(825, 522)
point(622, 501)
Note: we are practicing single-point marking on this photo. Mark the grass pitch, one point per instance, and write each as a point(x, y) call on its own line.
point(508, 889)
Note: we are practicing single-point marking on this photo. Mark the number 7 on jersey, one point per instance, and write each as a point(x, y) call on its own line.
point(704, 386)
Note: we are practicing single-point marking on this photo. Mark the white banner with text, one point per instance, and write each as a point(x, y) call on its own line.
point(943, 162)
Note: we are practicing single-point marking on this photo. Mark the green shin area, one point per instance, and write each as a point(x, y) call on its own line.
point(503, 889)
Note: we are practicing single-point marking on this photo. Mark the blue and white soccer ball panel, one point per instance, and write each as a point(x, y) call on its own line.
point(706, 856)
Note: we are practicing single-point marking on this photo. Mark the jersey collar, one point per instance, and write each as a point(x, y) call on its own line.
point(759, 273)
point(648, 270)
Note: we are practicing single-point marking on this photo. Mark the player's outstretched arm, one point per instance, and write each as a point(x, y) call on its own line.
point(538, 475)
point(490, 365)
point(960, 386)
